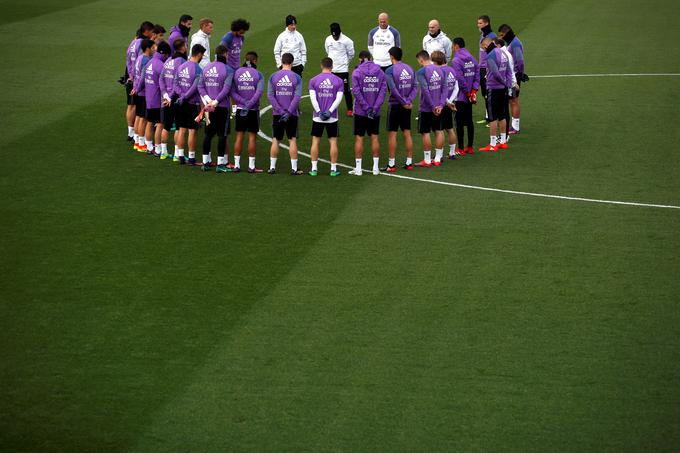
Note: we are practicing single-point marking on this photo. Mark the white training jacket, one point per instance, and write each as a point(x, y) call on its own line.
point(340, 51)
point(380, 41)
point(511, 63)
point(441, 43)
point(291, 42)
point(203, 39)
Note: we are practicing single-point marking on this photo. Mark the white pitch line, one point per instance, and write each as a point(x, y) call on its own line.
point(487, 189)
point(564, 76)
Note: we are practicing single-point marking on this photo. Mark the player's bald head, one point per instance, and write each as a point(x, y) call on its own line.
point(433, 26)
point(383, 19)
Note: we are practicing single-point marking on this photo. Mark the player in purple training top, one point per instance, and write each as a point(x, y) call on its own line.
point(451, 86)
point(150, 83)
point(485, 31)
point(516, 49)
point(284, 92)
point(247, 87)
point(181, 30)
point(214, 88)
point(401, 81)
point(234, 40)
point(147, 47)
point(467, 74)
point(499, 83)
point(369, 88)
point(169, 108)
point(188, 103)
point(432, 101)
point(133, 51)
point(325, 93)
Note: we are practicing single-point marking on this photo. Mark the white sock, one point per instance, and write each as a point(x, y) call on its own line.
point(357, 165)
point(251, 161)
point(272, 162)
point(293, 164)
point(504, 137)
point(409, 160)
point(164, 148)
point(226, 158)
point(237, 161)
point(149, 146)
point(493, 140)
point(393, 162)
point(135, 137)
point(176, 148)
point(206, 159)
point(376, 163)
point(334, 167)
point(179, 152)
point(315, 164)
point(427, 156)
point(221, 160)
point(131, 131)
point(192, 154)
point(439, 153)
point(515, 123)
point(142, 141)
point(452, 149)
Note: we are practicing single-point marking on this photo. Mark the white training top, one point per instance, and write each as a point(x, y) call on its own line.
point(203, 39)
point(340, 51)
point(291, 42)
point(441, 43)
point(380, 41)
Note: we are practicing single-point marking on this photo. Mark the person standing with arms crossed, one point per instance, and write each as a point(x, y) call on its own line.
point(340, 49)
point(381, 39)
point(291, 41)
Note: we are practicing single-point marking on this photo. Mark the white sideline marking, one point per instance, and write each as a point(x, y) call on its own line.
point(561, 76)
point(487, 189)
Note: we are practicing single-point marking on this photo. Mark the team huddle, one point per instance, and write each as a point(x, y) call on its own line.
point(173, 88)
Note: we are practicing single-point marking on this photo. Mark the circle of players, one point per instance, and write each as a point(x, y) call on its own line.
point(172, 88)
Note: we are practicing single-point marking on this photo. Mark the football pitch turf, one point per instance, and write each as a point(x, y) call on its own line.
point(151, 307)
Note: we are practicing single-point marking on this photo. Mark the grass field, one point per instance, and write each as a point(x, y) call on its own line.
point(148, 307)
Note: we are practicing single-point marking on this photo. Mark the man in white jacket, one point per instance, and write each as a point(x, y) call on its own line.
point(436, 39)
point(202, 37)
point(340, 49)
point(291, 41)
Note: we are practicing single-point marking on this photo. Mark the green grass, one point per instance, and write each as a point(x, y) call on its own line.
point(150, 307)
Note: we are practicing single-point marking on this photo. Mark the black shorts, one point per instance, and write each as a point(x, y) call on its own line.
point(398, 118)
point(482, 81)
point(447, 118)
point(186, 115)
point(140, 106)
point(363, 125)
point(429, 122)
point(169, 116)
point(249, 123)
point(289, 128)
point(130, 98)
point(497, 104)
point(332, 129)
point(219, 122)
point(153, 116)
